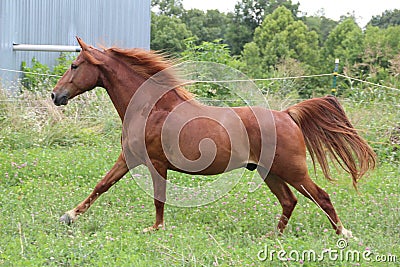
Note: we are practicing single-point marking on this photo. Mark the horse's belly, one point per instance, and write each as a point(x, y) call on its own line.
point(208, 156)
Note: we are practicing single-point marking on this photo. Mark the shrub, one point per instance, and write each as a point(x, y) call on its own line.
point(39, 77)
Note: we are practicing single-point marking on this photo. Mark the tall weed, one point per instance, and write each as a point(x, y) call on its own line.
point(31, 119)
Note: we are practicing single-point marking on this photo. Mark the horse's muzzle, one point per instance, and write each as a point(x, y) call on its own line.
point(59, 99)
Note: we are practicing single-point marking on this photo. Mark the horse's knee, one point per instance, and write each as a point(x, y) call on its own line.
point(101, 187)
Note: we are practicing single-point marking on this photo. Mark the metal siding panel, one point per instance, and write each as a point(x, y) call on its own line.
point(125, 23)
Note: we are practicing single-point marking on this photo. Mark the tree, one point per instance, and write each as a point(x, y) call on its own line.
point(168, 33)
point(321, 25)
point(380, 55)
point(237, 35)
point(253, 12)
point(206, 26)
point(345, 42)
point(253, 60)
point(207, 52)
point(168, 8)
point(388, 18)
point(279, 37)
point(377, 49)
point(247, 16)
point(282, 46)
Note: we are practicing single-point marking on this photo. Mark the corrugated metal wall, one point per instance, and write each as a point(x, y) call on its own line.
point(125, 23)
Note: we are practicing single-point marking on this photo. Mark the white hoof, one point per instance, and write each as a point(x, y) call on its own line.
point(68, 218)
point(348, 234)
point(153, 228)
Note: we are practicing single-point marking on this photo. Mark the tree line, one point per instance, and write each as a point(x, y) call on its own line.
point(271, 38)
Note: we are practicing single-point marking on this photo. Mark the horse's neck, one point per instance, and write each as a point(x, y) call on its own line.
point(121, 86)
point(125, 84)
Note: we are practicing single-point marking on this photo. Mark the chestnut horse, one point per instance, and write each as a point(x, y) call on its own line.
point(319, 124)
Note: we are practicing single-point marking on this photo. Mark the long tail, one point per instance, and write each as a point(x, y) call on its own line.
point(328, 131)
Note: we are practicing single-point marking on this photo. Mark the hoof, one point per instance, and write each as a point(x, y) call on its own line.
point(153, 228)
point(348, 234)
point(66, 218)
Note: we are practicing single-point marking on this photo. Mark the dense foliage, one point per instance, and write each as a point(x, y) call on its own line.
point(270, 35)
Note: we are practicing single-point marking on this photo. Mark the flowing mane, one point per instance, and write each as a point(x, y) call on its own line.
point(148, 63)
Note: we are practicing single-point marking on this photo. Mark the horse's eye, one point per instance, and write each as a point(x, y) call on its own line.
point(74, 67)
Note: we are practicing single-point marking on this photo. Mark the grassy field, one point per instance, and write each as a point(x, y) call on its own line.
point(51, 160)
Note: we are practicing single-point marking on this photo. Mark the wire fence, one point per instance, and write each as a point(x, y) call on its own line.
point(93, 107)
point(103, 100)
point(28, 72)
point(253, 80)
point(211, 100)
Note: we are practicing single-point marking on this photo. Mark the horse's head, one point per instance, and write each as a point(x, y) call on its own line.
point(82, 76)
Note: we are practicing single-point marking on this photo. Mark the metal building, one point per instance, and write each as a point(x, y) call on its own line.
point(125, 23)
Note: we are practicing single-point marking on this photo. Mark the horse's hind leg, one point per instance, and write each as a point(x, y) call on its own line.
point(285, 196)
point(310, 190)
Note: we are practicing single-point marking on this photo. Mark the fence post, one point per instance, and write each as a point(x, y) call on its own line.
point(335, 73)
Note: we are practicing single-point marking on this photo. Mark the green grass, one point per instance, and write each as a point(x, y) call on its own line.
point(40, 184)
point(51, 160)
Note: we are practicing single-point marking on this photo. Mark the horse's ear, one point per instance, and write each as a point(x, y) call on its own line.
point(82, 44)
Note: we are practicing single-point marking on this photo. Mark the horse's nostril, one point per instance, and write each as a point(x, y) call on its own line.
point(53, 96)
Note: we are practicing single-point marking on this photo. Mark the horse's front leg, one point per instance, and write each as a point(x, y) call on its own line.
point(114, 175)
point(158, 172)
